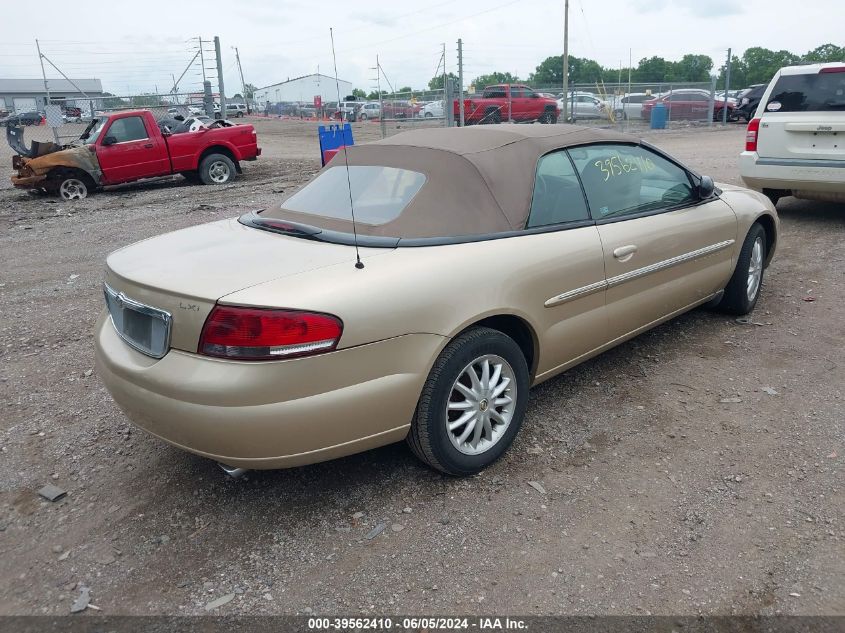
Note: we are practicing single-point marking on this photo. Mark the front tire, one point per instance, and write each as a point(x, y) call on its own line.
point(548, 118)
point(472, 404)
point(217, 169)
point(743, 289)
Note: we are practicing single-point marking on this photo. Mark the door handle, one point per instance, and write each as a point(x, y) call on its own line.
point(148, 146)
point(624, 253)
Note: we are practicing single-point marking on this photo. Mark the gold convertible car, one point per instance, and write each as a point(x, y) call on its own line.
point(492, 258)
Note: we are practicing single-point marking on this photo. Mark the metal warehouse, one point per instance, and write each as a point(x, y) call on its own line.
point(26, 95)
point(303, 90)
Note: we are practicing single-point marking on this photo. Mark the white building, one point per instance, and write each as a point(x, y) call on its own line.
point(303, 90)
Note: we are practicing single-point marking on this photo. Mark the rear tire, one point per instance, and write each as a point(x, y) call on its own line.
point(217, 169)
point(493, 414)
point(743, 289)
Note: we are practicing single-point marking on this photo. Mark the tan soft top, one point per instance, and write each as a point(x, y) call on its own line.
point(480, 179)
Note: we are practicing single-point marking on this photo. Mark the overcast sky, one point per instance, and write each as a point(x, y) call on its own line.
point(136, 47)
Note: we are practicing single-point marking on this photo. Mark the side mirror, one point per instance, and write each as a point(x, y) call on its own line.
point(706, 187)
point(109, 140)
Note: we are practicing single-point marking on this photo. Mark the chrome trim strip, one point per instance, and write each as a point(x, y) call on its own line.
point(801, 162)
point(576, 293)
point(143, 308)
point(598, 286)
point(667, 263)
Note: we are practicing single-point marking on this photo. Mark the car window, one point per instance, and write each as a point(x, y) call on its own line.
point(819, 92)
point(380, 193)
point(624, 180)
point(494, 93)
point(130, 128)
point(557, 195)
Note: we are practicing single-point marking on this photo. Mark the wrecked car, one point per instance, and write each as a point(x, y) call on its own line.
point(127, 146)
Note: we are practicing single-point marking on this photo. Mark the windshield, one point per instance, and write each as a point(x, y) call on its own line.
point(380, 193)
point(92, 132)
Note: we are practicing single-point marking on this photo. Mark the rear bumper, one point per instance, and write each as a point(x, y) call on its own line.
point(274, 414)
point(794, 175)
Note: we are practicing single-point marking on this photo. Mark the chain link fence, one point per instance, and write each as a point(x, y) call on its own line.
point(630, 106)
point(78, 113)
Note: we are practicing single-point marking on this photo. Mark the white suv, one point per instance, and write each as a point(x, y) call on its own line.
point(795, 144)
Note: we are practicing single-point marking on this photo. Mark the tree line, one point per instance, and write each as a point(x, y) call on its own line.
point(757, 65)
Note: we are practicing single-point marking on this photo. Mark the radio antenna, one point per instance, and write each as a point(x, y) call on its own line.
point(358, 263)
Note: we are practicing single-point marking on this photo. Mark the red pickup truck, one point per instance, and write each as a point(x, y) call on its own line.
point(130, 145)
point(508, 102)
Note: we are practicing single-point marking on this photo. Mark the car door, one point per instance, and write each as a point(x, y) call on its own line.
point(699, 106)
point(127, 150)
point(569, 288)
point(665, 249)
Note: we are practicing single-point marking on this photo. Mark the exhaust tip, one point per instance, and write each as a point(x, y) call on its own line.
point(234, 473)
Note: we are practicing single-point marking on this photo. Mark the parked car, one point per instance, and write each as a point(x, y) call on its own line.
point(235, 110)
point(690, 104)
point(433, 109)
point(508, 102)
point(71, 114)
point(259, 341)
point(129, 145)
point(793, 145)
point(344, 111)
point(399, 109)
point(630, 106)
point(370, 110)
point(583, 105)
point(749, 99)
point(23, 118)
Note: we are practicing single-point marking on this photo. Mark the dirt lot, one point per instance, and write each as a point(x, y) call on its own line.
point(695, 469)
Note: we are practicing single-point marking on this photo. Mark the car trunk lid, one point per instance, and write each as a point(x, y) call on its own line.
point(183, 274)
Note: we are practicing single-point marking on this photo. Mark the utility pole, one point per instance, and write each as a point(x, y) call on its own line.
point(46, 87)
point(461, 82)
point(727, 87)
point(565, 59)
point(380, 99)
point(220, 77)
point(202, 59)
point(243, 83)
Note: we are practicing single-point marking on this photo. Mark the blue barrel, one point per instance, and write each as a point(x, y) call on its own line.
point(658, 116)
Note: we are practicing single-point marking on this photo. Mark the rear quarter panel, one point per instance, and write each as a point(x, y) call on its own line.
point(444, 289)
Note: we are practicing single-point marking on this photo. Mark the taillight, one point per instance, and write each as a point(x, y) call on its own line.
point(751, 135)
point(833, 69)
point(264, 334)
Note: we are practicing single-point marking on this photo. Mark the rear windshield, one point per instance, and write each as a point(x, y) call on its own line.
point(380, 194)
point(808, 93)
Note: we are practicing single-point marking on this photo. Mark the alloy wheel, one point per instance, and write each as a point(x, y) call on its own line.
point(73, 189)
point(481, 404)
point(219, 172)
point(755, 269)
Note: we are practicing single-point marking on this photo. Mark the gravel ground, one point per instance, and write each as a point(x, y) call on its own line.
point(695, 469)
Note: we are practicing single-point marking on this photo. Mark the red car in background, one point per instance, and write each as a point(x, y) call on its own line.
point(689, 104)
point(130, 145)
point(505, 102)
point(399, 109)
